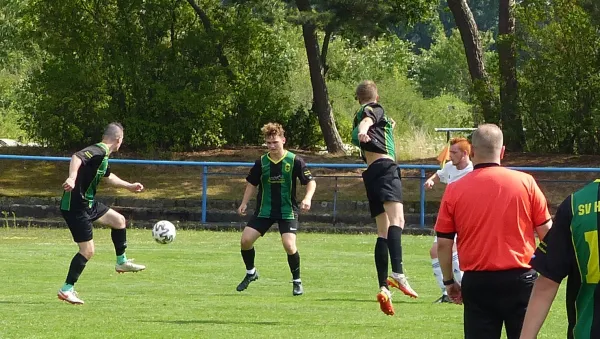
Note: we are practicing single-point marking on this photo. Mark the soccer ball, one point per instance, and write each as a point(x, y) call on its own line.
point(163, 232)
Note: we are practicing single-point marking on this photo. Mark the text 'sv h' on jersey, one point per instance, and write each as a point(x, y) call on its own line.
point(277, 187)
point(94, 166)
point(381, 132)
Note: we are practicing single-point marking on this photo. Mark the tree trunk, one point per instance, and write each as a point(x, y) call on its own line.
point(219, 48)
point(325, 49)
point(510, 116)
point(469, 33)
point(321, 104)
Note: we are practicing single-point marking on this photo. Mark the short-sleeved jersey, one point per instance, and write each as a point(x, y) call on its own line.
point(493, 211)
point(94, 166)
point(381, 132)
point(276, 181)
point(571, 249)
point(449, 173)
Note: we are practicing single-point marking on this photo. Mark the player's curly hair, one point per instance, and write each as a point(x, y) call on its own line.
point(272, 129)
point(366, 91)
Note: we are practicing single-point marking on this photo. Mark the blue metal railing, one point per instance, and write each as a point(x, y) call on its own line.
point(206, 164)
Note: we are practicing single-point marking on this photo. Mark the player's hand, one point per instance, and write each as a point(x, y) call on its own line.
point(429, 184)
point(136, 187)
point(305, 205)
point(364, 137)
point(242, 209)
point(454, 293)
point(393, 122)
point(69, 184)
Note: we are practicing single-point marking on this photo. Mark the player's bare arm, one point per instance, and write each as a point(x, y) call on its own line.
point(114, 180)
point(363, 128)
point(69, 184)
point(431, 181)
point(248, 193)
point(543, 229)
point(542, 296)
point(310, 191)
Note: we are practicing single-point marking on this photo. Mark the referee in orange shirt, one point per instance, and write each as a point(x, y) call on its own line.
point(493, 211)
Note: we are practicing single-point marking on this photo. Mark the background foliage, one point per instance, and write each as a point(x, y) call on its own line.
point(69, 67)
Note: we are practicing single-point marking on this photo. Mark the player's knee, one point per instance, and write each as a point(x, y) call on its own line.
point(88, 253)
point(246, 243)
point(433, 251)
point(121, 222)
point(290, 247)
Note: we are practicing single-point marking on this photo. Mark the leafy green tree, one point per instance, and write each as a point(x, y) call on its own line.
point(560, 76)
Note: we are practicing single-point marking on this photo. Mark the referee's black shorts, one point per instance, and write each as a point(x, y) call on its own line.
point(495, 298)
point(382, 182)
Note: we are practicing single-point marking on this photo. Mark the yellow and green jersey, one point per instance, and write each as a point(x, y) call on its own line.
point(94, 166)
point(276, 181)
point(571, 249)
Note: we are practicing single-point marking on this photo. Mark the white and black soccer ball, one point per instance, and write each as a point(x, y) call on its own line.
point(164, 232)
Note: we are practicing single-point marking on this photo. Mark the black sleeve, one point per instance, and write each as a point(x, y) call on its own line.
point(255, 173)
point(90, 154)
point(375, 113)
point(107, 173)
point(555, 255)
point(301, 171)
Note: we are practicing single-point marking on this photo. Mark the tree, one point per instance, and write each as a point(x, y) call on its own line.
point(321, 104)
point(510, 117)
point(482, 87)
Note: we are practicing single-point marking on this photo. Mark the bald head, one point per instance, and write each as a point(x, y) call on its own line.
point(487, 143)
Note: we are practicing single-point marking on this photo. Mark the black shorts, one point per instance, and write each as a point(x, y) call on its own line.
point(382, 182)
point(262, 225)
point(80, 221)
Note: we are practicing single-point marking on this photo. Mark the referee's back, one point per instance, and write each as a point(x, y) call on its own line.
point(493, 211)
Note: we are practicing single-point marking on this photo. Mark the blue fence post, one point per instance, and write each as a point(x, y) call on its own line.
point(335, 192)
point(422, 212)
point(204, 191)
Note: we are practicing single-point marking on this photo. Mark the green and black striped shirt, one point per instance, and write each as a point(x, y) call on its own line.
point(94, 166)
point(276, 181)
point(381, 132)
point(571, 249)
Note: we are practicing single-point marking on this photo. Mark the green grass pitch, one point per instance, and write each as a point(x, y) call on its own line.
point(188, 290)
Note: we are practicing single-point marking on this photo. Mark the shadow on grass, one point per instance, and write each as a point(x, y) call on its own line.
point(352, 300)
point(21, 302)
point(215, 322)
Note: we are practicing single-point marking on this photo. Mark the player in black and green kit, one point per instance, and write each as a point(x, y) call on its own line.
point(373, 133)
point(569, 249)
point(275, 174)
point(79, 207)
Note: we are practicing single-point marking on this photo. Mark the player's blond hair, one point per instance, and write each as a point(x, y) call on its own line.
point(272, 129)
point(463, 144)
point(366, 91)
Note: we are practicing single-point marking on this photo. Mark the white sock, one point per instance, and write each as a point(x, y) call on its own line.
point(398, 276)
point(437, 273)
point(252, 271)
point(456, 268)
point(297, 280)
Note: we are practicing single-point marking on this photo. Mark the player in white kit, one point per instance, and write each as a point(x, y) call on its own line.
point(459, 165)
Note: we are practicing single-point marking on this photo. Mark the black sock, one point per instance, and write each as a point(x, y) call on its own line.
point(381, 261)
point(119, 238)
point(77, 265)
point(395, 245)
point(248, 256)
point(294, 262)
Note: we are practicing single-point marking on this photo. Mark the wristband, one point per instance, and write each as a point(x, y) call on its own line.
point(449, 282)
